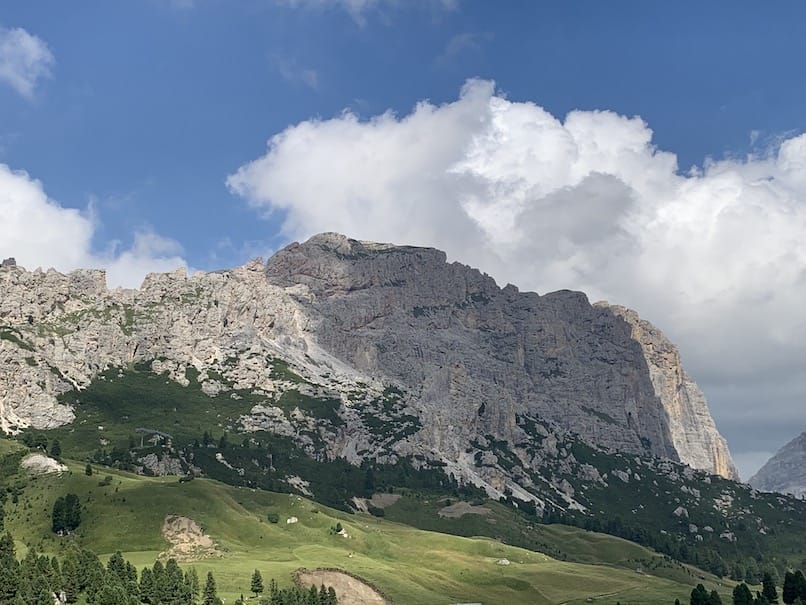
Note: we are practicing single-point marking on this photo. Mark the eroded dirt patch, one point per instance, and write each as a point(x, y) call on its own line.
point(380, 500)
point(454, 511)
point(350, 590)
point(383, 500)
point(188, 540)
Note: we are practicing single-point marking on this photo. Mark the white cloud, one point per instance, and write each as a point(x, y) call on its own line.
point(24, 60)
point(358, 9)
point(291, 71)
point(38, 232)
point(459, 44)
point(716, 257)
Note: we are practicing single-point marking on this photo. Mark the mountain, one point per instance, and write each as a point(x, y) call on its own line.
point(340, 369)
point(785, 472)
point(466, 360)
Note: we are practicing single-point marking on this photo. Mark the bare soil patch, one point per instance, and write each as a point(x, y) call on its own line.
point(383, 500)
point(350, 590)
point(454, 511)
point(188, 540)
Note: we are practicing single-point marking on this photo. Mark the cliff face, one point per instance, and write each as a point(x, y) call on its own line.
point(786, 471)
point(693, 432)
point(474, 362)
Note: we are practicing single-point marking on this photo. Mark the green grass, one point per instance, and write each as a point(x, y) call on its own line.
point(14, 336)
point(411, 566)
point(560, 541)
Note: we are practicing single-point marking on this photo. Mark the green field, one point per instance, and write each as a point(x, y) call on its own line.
point(410, 566)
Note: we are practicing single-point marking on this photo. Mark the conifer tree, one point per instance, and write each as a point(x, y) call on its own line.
point(699, 596)
point(71, 580)
point(147, 593)
point(742, 595)
point(768, 588)
point(273, 592)
point(800, 581)
point(209, 595)
point(789, 591)
point(192, 583)
point(9, 569)
point(257, 583)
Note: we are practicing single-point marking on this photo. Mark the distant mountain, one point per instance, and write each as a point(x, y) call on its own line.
point(785, 472)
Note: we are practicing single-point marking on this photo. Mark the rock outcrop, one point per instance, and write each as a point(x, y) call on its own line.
point(785, 472)
point(693, 432)
point(449, 360)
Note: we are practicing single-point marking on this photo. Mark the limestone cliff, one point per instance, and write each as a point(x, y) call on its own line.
point(785, 472)
point(469, 364)
point(693, 432)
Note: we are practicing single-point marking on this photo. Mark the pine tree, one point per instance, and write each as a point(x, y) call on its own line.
point(789, 591)
point(9, 569)
point(699, 596)
point(158, 581)
point(800, 580)
point(71, 581)
point(192, 582)
point(714, 598)
point(742, 595)
point(117, 565)
point(88, 470)
point(257, 583)
point(174, 587)
point(147, 593)
point(56, 449)
point(209, 596)
point(273, 592)
point(768, 588)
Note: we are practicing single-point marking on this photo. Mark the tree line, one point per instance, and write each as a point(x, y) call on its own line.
point(39, 580)
point(793, 592)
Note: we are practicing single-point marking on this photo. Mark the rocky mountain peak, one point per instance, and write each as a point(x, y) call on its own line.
point(470, 363)
point(785, 472)
point(331, 263)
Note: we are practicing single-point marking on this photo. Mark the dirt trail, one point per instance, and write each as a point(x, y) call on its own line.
point(349, 590)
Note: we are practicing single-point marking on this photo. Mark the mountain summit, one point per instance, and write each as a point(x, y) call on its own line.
point(415, 356)
point(785, 472)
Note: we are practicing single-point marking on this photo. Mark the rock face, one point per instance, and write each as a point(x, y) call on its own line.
point(786, 471)
point(448, 359)
point(479, 356)
point(693, 432)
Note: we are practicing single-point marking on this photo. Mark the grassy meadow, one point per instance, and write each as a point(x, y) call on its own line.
point(410, 566)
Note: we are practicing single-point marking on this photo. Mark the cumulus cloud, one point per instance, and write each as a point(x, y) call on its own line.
point(716, 256)
point(24, 60)
point(39, 232)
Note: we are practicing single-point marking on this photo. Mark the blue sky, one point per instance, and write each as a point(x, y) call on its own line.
point(151, 120)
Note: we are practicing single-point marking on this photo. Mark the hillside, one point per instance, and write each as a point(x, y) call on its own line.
point(410, 566)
